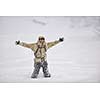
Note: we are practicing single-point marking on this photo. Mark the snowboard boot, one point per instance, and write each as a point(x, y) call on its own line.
point(47, 75)
point(33, 76)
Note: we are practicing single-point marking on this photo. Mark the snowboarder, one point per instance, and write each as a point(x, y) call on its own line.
point(40, 48)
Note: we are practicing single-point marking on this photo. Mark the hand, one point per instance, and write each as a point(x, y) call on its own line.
point(17, 42)
point(61, 39)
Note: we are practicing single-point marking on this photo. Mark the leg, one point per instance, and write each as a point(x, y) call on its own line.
point(45, 69)
point(37, 67)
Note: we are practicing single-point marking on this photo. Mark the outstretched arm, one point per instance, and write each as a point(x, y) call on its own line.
point(25, 44)
point(51, 44)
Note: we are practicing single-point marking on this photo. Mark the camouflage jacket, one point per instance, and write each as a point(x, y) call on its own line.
point(39, 53)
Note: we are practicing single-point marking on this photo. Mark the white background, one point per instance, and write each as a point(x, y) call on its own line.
point(56, 91)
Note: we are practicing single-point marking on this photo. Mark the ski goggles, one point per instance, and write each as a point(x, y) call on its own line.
point(41, 38)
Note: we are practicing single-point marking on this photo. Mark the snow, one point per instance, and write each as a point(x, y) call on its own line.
point(77, 59)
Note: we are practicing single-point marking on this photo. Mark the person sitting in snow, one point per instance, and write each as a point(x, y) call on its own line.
point(40, 48)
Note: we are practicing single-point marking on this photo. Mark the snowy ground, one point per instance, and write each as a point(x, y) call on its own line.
point(77, 59)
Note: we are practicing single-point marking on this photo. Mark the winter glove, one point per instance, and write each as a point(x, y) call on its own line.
point(17, 42)
point(61, 39)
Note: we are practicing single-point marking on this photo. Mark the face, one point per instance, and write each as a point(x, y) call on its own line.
point(42, 39)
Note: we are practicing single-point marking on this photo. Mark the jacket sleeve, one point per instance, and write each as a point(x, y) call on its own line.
point(51, 44)
point(27, 45)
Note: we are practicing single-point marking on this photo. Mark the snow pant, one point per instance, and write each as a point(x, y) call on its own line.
point(37, 67)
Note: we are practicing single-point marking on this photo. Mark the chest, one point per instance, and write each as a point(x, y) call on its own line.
point(39, 48)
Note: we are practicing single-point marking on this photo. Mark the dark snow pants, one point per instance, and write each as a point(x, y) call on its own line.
point(37, 67)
